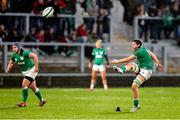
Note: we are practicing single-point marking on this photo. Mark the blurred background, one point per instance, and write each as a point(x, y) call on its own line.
point(64, 42)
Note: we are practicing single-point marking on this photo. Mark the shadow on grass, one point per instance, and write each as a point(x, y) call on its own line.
point(119, 112)
point(8, 107)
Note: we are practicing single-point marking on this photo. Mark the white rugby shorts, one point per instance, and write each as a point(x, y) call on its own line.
point(145, 73)
point(30, 73)
point(98, 68)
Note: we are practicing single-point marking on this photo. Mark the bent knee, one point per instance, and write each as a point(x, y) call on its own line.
point(136, 83)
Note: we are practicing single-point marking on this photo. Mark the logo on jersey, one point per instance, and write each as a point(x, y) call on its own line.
point(99, 54)
point(21, 63)
point(22, 58)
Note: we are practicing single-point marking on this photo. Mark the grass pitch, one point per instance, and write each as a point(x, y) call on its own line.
point(66, 103)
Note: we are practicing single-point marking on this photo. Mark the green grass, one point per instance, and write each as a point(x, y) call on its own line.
point(66, 103)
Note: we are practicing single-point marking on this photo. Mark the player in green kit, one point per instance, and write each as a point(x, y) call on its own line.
point(97, 58)
point(143, 68)
point(28, 63)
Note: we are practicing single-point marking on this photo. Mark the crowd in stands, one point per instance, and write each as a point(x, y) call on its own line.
point(56, 29)
point(168, 27)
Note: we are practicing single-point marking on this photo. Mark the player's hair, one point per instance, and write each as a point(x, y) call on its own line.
point(99, 40)
point(138, 42)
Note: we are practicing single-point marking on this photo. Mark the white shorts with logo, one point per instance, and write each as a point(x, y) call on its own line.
point(30, 73)
point(146, 73)
point(98, 68)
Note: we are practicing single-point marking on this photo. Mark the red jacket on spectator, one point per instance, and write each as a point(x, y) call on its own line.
point(82, 30)
point(61, 3)
point(40, 35)
point(38, 6)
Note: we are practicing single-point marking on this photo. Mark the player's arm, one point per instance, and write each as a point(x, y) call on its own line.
point(10, 65)
point(107, 60)
point(124, 60)
point(90, 61)
point(155, 59)
point(35, 59)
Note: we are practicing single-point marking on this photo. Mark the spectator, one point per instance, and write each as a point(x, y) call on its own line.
point(50, 34)
point(38, 6)
point(167, 22)
point(73, 37)
point(143, 26)
point(154, 25)
point(3, 33)
point(63, 50)
point(14, 36)
point(82, 33)
point(31, 37)
point(103, 24)
point(175, 10)
point(93, 37)
point(92, 10)
point(127, 12)
point(84, 4)
point(40, 35)
point(3, 6)
point(107, 5)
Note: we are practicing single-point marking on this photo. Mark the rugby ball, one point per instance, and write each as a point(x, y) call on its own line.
point(48, 12)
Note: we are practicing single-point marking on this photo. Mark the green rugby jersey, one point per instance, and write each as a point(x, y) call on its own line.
point(99, 54)
point(23, 60)
point(143, 58)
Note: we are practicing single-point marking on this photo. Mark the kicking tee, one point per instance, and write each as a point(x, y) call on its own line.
point(144, 59)
point(23, 60)
point(99, 54)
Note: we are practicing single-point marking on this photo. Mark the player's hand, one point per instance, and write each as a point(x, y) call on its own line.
point(114, 61)
point(90, 65)
point(160, 67)
point(36, 70)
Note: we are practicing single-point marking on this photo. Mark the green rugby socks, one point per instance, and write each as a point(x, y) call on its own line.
point(123, 68)
point(38, 94)
point(25, 94)
point(136, 102)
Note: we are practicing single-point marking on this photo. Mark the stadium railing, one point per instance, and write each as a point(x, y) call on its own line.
point(81, 52)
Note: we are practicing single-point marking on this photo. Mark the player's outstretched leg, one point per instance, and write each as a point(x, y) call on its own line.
point(118, 69)
point(132, 67)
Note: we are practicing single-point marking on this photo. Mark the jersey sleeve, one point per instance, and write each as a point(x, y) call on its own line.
point(105, 53)
point(26, 53)
point(13, 58)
